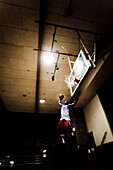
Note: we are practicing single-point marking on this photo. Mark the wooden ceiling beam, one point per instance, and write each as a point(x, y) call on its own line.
point(40, 39)
point(70, 28)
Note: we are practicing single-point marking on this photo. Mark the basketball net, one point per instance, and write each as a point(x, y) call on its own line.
point(71, 80)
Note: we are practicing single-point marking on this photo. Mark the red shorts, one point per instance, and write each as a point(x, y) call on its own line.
point(63, 126)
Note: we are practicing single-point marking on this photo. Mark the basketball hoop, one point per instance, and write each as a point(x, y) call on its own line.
point(70, 80)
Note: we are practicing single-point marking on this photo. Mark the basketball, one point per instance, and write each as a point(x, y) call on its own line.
point(61, 96)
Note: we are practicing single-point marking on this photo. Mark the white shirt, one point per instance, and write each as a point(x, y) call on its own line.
point(65, 111)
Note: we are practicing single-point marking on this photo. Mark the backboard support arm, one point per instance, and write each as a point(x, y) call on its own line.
point(92, 61)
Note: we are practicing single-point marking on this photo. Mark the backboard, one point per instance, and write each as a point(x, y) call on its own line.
point(79, 70)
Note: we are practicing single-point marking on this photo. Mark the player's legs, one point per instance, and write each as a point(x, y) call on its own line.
point(67, 126)
point(60, 126)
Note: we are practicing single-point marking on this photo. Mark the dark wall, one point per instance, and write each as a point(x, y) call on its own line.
point(79, 123)
point(31, 133)
point(26, 133)
point(106, 97)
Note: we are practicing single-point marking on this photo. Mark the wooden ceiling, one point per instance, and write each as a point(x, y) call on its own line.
point(29, 29)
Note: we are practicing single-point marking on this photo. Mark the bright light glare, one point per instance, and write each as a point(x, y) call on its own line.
point(44, 155)
point(44, 151)
point(48, 58)
point(11, 163)
point(42, 101)
point(73, 129)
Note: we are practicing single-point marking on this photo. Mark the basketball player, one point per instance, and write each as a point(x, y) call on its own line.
point(64, 125)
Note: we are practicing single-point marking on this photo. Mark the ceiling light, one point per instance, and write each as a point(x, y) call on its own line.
point(42, 101)
point(48, 58)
